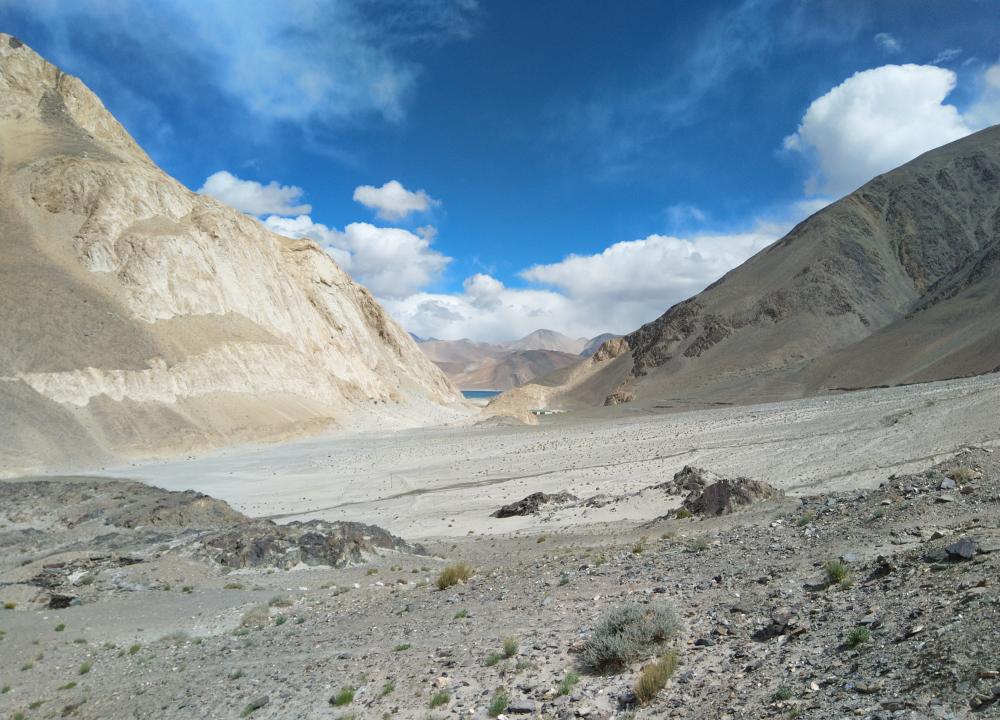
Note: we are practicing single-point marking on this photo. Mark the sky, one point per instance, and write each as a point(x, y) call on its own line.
point(488, 168)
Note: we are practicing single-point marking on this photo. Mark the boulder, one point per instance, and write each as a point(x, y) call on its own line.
point(531, 504)
point(727, 495)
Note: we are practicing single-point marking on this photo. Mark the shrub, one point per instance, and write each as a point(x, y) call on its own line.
point(510, 646)
point(857, 636)
point(387, 689)
point(256, 616)
point(402, 647)
point(60, 627)
point(566, 684)
point(683, 513)
point(961, 474)
point(638, 548)
point(232, 586)
point(9, 605)
point(280, 601)
point(280, 620)
point(698, 544)
point(625, 634)
point(461, 614)
point(134, 649)
point(492, 659)
point(806, 518)
point(499, 702)
point(654, 676)
point(439, 698)
point(344, 697)
point(837, 573)
point(84, 668)
point(68, 686)
point(782, 694)
point(454, 574)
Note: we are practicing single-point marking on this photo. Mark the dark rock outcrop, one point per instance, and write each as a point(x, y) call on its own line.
point(531, 504)
point(728, 495)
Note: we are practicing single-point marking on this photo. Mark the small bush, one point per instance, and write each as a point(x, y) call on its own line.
point(344, 697)
point(683, 513)
point(439, 698)
point(961, 474)
point(806, 518)
point(84, 668)
point(5, 689)
point(257, 616)
point(492, 659)
point(541, 539)
point(232, 586)
point(371, 571)
point(134, 649)
point(402, 647)
point(499, 702)
point(454, 574)
point(388, 688)
point(654, 676)
point(68, 686)
point(837, 573)
point(60, 627)
point(627, 633)
point(280, 601)
point(566, 684)
point(857, 636)
point(9, 605)
point(510, 646)
point(698, 544)
point(461, 615)
point(280, 620)
point(563, 579)
point(187, 589)
point(782, 694)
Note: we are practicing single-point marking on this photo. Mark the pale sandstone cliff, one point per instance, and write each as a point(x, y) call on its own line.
point(139, 318)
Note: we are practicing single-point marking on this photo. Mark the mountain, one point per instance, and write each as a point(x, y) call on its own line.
point(501, 366)
point(594, 343)
point(140, 318)
point(548, 340)
point(898, 282)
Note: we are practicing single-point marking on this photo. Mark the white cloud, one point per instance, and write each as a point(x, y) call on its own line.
point(391, 262)
point(946, 55)
point(875, 121)
point(252, 197)
point(985, 111)
point(889, 44)
point(616, 290)
point(392, 201)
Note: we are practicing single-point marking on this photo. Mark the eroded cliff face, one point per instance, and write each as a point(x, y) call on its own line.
point(139, 317)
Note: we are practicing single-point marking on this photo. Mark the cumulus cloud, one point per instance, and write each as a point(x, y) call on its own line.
point(874, 121)
point(252, 197)
point(889, 44)
point(391, 262)
point(392, 201)
point(985, 110)
point(616, 290)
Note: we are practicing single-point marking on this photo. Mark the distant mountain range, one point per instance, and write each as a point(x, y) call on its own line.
point(501, 366)
point(898, 282)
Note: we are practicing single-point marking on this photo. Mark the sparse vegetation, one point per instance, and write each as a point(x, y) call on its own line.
point(371, 571)
point(806, 518)
point(837, 573)
point(563, 579)
point(60, 627)
point(280, 601)
point(570, 679)
point(510, 646)
point(638, 548)
point(188, 589)
point(280, 620)
point(541, 539)
point(492, 659)
point(9, 605)
point(857, 636)
point(441, 697)
point(697, 544)
point(5, 689)
point(232, 586)
point(402, 647)
point(782, 694)
point(84, 668)
point(654, 676)
point(344, 697)
point(68, 686)
point(133, 649)
point(388, 688)
point(625, 634)
point(461, 615)
point(961, 473)
point(454, 574)
point(683, 513)
point(256, 616)
point(498, 703)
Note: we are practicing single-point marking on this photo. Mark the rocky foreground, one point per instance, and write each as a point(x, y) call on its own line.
point(126, 601)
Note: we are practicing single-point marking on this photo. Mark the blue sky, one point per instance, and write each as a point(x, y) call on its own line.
point(573, 165)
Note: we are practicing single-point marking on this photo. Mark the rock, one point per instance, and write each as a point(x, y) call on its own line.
point(263, 543)
point(531, 504)
point(521, 707)
point(256, 704)
point(724, 496)
point(688, 480)
point(964, 549)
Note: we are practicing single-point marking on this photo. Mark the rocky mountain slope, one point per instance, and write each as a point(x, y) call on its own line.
point(502, 366)
point(140, 318)
point(896, 283)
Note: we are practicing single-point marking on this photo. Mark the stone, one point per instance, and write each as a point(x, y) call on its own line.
point(521, 707)
point(725, 496)
point(964, 549)
point(531, 504)
point(256, 704)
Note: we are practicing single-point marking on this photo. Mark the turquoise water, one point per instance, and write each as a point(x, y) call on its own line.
point(480, 394)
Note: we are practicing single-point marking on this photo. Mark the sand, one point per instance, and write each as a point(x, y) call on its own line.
point(444, 482)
